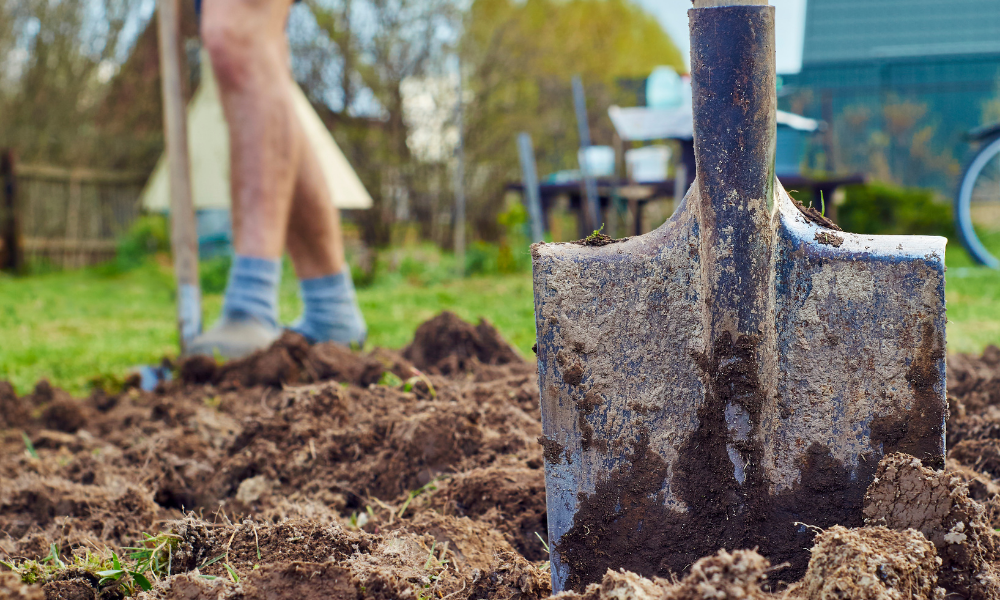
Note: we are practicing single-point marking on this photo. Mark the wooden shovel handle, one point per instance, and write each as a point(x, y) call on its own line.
point(714, 3)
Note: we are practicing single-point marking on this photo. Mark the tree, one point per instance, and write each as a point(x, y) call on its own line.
point(57, 58)
point(522, 56)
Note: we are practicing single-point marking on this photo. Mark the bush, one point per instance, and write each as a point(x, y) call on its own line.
point(148, 235)
point(213, 274)
point(481, 258)
point(879, 208)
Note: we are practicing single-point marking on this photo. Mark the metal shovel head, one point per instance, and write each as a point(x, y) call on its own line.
point(732, 379)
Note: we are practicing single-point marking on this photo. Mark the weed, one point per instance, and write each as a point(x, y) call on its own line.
point(132, 573)
point(28, 445)
point(593, 237)
point(419, 376)
point(544, 543)
point(390, 379)
point(428, 487)
point(119, 573)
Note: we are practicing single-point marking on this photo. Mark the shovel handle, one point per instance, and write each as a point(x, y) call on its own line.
point(714, 3)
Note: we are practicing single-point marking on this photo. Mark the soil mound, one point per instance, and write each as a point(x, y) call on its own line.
point(315, 471)
point(446, 344)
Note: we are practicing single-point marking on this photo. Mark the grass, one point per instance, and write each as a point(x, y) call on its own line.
point(131, 573)
point(77, 326)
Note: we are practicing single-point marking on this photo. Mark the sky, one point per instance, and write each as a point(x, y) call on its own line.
point(790, 20)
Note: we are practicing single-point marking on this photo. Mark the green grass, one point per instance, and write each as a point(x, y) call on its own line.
point(71, 327)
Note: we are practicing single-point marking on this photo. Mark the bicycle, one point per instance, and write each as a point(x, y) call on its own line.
point(977, 205)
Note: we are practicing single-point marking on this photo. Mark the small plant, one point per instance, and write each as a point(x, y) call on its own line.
point(593, 237)
point(597, 238)
point(390, 379)
point(133, 572)
point(544, 543)
point(428, 487)
point(119, 573)
point(29, 446)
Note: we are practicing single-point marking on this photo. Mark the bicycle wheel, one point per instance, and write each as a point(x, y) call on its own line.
point(977, 206)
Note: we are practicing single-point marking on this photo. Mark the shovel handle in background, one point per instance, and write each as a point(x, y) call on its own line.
point(731, 379)
point(183, 230)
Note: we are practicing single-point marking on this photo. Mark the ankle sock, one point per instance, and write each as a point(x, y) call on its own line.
point(331, 312)
point(252, 291)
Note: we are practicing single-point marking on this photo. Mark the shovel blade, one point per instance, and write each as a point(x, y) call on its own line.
point(665, 441)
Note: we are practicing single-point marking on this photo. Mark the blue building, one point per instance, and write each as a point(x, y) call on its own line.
point(900, 81)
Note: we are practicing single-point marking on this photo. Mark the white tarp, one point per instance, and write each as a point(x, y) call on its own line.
point(641, 123)
point(208, 143)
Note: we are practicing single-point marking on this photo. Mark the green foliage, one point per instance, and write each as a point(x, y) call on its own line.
point(29, 446)
point(148, 235)
point(879, 208)
point(390, 379)
point(521, 56)
point(68, 326)
point(213, 273)
point(481, 258)
point(132, 573)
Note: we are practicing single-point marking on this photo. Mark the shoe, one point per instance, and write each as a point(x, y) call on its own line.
point(233, 338)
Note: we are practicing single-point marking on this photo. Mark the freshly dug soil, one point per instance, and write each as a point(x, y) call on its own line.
point(308, 472)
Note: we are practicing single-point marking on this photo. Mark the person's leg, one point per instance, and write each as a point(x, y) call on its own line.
point(246, 42)
point(315, 244)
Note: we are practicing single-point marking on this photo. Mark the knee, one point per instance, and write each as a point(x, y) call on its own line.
point(231, 41)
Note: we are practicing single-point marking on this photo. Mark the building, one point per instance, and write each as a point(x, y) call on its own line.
point(901, 81)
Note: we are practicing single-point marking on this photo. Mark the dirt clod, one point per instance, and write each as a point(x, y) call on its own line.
point(12, 588)
point(446, 344)
point(906, 495)
point(870, 563)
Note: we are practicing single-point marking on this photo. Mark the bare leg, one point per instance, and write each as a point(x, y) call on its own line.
point(247, 44)
point(279, 195)
point(314, 238)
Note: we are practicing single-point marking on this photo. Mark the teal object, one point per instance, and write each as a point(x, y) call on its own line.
point(941, 57)
point(664, 89)
point(790, 151)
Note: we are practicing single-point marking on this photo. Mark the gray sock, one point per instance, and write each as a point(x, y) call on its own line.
point(331, 310)
point(252, 291)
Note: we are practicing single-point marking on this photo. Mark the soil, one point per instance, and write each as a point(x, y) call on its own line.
point(312, 474)
point(814, 215)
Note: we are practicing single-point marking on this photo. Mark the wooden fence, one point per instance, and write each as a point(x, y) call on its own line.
point(67, 218)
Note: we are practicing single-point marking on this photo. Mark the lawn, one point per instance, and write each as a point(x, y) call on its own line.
point(72, 326)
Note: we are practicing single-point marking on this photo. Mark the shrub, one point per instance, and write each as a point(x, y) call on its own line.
point(149, 234)
point(879, 208)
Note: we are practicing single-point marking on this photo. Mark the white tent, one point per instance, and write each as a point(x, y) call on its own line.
point(208, 140)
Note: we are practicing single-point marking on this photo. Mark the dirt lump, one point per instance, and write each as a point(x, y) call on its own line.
point(870, 563)
point(739, 574)
point(11, 588)
point(510, 577)
point(446, 344)
point(906, 495)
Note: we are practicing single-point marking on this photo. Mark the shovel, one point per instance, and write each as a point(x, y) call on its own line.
point(732, 379)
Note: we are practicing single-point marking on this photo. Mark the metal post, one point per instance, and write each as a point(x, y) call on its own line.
point(183, 231)
point(13, 257)
point(460, 179)
point(589, 186)
point(529, 176)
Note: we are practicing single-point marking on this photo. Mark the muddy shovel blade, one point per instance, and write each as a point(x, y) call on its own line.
point(732, 378)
